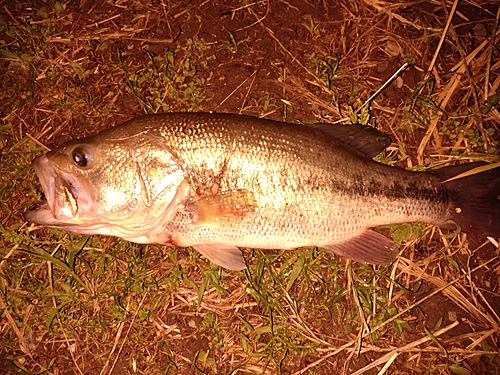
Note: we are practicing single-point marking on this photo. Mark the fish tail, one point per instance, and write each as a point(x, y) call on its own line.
point(474, 189)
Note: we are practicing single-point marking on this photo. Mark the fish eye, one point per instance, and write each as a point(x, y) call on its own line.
point(82, 156)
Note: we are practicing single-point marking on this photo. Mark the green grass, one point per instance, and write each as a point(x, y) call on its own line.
point(91, 304)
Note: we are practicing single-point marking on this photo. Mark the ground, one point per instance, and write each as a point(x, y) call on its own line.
point(98, 305)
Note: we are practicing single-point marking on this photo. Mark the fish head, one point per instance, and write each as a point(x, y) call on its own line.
point(120, 186)
point(82, 180)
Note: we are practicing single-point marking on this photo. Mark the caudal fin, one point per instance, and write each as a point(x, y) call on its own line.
point(476, 198)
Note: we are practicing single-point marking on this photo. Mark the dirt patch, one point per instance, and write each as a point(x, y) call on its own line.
point(70, 70)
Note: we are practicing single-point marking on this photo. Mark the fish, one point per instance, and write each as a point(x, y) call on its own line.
point(220, 183)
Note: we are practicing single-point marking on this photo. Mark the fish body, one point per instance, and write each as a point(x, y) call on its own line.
point(218, 182)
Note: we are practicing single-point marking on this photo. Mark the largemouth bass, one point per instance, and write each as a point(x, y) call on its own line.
point(220, 182)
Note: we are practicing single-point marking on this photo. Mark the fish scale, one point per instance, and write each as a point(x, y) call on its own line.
point(220, 182)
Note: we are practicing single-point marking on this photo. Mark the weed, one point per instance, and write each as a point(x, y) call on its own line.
point(267, 102)
point(326, 68)
point(170, 82)
point(232, 45)
point(313, 27)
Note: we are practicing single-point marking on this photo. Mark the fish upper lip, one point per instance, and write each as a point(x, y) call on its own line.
point(46, 176)
point(60, 199)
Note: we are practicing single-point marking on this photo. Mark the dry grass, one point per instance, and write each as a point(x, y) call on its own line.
point(94, 305)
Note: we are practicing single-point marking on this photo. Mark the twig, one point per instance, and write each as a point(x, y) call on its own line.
point(126, 335)
point(488, 62)
point(442, 104)
point(396, 351)
point(478, 118)
point(384, 86)
point(443, 36)
point(54, 302)
point(254, 75)
point(236, 89)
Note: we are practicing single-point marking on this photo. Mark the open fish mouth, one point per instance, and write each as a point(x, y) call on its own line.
point(61, 195)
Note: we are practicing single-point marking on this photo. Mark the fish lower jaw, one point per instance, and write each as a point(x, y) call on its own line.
point(142, 235)
point(40, 214)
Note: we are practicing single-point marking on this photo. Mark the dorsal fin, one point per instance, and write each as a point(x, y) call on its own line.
point(365, 139)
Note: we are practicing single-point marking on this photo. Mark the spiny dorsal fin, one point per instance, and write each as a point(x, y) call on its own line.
point(365, 139)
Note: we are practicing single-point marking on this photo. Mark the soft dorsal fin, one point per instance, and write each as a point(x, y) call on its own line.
point(365, 139)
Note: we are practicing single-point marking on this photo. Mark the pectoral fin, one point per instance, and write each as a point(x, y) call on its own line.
point(227, 256)
point(226, 206)
point(369, 247)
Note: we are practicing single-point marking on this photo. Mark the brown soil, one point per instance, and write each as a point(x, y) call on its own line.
point(276, 51)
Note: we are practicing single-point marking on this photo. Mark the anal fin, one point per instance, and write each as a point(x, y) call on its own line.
point(227, 256)
point(368, 247)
